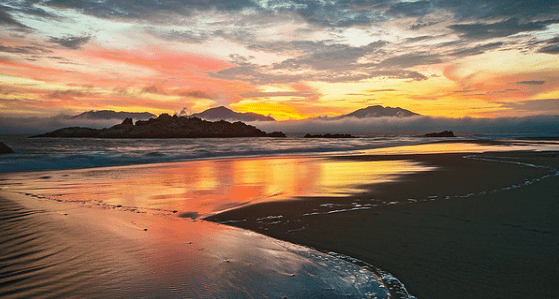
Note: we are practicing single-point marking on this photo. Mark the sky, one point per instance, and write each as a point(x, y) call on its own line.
point(292, 60)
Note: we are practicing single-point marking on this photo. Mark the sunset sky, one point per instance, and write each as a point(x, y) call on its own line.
point(289, 59)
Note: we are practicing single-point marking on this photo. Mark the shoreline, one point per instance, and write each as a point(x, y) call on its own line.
point(475, 228)
point(53, 249)
point(443, 233)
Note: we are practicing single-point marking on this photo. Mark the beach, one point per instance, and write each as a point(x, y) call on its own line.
point(480, 227)
point(447, 224)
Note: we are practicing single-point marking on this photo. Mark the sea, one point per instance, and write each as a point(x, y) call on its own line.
point(34, 154)
point(193, 179)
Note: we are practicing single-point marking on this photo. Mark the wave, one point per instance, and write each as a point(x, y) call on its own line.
point(33, 154)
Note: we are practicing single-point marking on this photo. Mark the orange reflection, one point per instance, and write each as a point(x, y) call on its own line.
point(205, 187)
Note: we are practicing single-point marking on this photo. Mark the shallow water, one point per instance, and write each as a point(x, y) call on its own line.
point(200, 188)
point(60, 251)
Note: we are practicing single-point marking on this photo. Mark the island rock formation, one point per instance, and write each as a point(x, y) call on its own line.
point(4, 149)
point(166, 126)
point(440, 134)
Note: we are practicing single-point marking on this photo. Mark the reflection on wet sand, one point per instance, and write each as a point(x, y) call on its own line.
point(203, 187)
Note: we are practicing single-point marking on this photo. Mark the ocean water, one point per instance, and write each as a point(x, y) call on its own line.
point(32, 154)
point(183, 181)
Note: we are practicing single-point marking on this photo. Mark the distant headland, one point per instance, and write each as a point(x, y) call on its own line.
point(166, 126)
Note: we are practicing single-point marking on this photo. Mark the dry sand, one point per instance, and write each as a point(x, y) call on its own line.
point(474, 228)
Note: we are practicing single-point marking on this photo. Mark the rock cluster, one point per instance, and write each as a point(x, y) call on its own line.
point(441, 134)
point(166, 126)
point(4, 149)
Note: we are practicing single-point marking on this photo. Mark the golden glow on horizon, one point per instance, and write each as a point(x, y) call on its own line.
point(76, 62)
point(277, 110)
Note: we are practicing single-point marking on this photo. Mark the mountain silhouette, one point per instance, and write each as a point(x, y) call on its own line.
point(109, 114)
point(223, 113)
point(166, 126)
point(379, 111)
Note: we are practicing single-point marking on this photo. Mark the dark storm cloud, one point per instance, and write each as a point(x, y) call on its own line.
point(71, 42)
point(499, 29)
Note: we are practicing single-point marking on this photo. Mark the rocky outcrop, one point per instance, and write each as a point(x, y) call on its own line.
point(166, 126)
point(4, 149)
point(328, 135)
point(440, 134)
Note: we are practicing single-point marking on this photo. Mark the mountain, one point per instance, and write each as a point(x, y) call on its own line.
point(379, 111)
point(224, 113)
point(109, 114)
point(166, 126)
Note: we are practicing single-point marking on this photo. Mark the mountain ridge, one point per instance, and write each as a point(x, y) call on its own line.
point(379, 111)
point(224, 113)
point(111, 114)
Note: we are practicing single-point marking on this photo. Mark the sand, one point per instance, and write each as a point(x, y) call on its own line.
point(52, 249)
point(474, 228)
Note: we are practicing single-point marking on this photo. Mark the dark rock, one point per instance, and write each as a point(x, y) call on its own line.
point(328, 135)
point(127, 121)
point(166, 126)
point(441, 134)
point(4, 149)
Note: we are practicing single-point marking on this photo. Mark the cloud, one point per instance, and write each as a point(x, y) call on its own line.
point(553, 49)
point(546, 105)
point(24, 50)
point(71, 42)
point(197, 94)
point(410, 9)
point(37, 125)
point(65, 94)
point(417, 125)
point(476, 50)
point(530, 82)
point(154, 90)
point(296, 94)
point(499, 29)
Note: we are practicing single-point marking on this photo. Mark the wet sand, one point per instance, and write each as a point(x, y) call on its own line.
point(482, 227)
point(51, 249)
